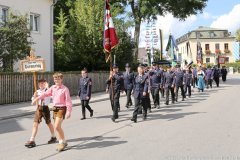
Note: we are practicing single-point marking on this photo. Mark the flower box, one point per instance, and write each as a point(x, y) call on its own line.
point(218, 51)
point(227, 51)
point(207, 52)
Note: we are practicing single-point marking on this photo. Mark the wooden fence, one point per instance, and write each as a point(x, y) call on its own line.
point(19, 87)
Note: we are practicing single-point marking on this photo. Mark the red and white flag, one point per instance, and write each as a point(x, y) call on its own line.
point(110, 39)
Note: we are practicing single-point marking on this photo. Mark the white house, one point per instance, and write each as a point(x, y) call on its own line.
point(214, 42)
point(40, 14)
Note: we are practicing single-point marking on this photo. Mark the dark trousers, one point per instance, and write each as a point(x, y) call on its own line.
point(195, 82)
point(167, 90)
point(162, 90)
point(187, 89)
point(155, 96)
point(140, 102)
point(182, 92)
point(115, 103)
point(216, 79)
point(224, 77)
point(129, 99)
point(209, 83)
point(85, 104)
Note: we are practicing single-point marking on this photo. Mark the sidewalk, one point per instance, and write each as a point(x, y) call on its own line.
point(23, 109)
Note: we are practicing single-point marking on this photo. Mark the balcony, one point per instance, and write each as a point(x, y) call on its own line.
point(227, 51)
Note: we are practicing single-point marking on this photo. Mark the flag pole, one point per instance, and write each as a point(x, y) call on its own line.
point(161, 44)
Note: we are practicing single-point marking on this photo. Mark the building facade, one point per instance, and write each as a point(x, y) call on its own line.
point(214, 42)
point(40, 14)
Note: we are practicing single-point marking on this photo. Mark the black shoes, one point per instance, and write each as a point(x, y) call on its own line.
point(113, 119)
point(52, 140)
point(83, 118)
point(91, 113)
point(30, 144)
point(167, 103)
point(144, 118)
point(149, 110)
point(134, 120)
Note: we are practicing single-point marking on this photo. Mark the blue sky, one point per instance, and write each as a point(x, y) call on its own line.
point(224, 14)
point(215, 8)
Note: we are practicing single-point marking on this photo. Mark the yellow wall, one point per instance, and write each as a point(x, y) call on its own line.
point(193, 44)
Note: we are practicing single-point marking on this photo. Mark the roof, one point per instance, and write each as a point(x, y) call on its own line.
point(204, 28)
point(205, 33)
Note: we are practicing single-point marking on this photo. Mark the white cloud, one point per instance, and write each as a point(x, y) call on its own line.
point(230, 21)
point(207, 15)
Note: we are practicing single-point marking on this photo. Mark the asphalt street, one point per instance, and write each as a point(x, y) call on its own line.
point(205, 126)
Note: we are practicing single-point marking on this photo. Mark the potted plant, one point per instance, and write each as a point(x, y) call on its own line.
point(208, 52)
point(227, 51)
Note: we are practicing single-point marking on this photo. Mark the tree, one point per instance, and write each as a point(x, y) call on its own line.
point(149, 9)
point(15, 41)
point(79, 37)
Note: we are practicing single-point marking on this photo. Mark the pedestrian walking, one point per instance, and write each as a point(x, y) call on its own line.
point(140, 93)
point(194, 75)
point(62, 106)
point(115, 85)
point(128, 84)
point(209, 77)
point(84, 93)
point(42, 111)
point(169, 84)
point(155, 84)
point(179, 82)
point(224, 73)
point(200, 76)
point(216, 75)
point(188, 82)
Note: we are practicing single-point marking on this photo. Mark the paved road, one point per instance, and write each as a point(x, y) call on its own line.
point(207, 126)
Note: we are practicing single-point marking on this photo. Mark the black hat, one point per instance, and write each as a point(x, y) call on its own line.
point(127, 65)
point(115, 66)
point(145, 65)
point(154, 63)
point(141, 65)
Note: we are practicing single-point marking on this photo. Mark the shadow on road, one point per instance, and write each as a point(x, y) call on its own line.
point(170, 117)
point(11, 126)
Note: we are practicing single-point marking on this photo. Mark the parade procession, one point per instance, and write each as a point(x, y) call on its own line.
point(129, 79)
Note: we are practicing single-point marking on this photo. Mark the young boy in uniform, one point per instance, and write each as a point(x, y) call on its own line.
point(84, 93)
point(41, 112)
point(62, 106)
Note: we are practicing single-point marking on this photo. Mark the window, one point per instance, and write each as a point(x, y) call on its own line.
point(226, 59)
point(207, 60)
point(34, 22)
point(212, 35)
point(206, 47)
point(217, 46)
point(3, 14)
point(226, 46)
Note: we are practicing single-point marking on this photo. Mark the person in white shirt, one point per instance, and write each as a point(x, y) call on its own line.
point(41, 112)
